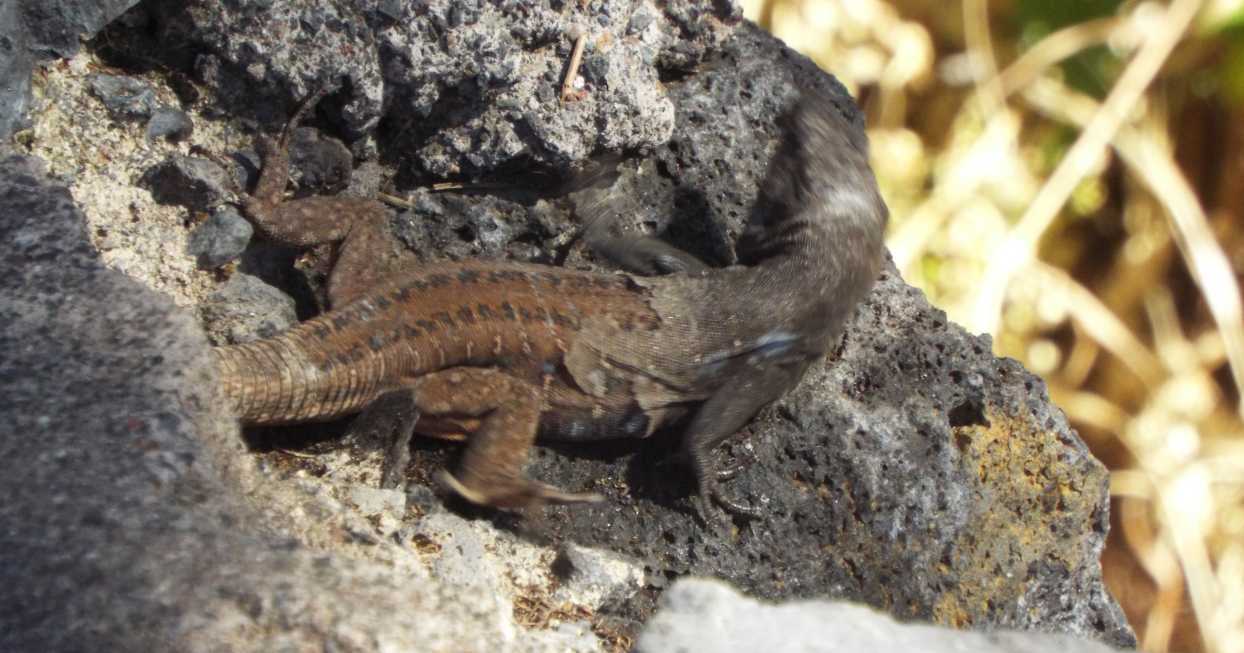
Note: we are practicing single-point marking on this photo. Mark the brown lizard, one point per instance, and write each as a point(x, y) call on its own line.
point(498, 352)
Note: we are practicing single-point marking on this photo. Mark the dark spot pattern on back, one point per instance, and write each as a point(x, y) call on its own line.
point(504, 276)
point(565, 321)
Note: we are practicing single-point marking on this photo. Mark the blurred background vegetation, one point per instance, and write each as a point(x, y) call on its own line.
point(1068, 176)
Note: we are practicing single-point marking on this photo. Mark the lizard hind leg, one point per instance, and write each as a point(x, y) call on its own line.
point(508, 408)
point(721, 416)
point(388, 423)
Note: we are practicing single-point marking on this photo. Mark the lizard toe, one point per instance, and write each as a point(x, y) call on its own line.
point(519, 494)
point(734, 507)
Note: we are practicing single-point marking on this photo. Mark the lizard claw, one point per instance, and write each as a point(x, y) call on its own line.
point(522, 494)
point(710, 499)
point(736, 508)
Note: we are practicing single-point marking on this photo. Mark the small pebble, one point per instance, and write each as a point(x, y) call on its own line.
point(198, 184)
point(124, 97)
point(245, 309)
point(220, 239)
point(169, 123)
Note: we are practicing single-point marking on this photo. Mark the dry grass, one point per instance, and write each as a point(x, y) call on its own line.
point(1096, 236)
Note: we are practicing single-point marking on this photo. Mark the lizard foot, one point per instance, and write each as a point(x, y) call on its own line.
point(387, 424)
point(523, 494)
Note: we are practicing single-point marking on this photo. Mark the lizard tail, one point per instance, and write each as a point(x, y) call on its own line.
point(272, 381)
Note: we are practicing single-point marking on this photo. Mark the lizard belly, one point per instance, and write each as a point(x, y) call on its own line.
point(571, 415)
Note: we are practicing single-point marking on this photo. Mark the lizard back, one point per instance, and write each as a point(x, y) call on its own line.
point(519, 317)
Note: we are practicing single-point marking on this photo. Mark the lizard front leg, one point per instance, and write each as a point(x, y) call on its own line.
point(368, 252)
point(598, 202)
point(643, 255)
point(508, 410)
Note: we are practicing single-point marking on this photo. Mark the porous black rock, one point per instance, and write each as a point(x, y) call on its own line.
point(321, 164)
point(471, 89)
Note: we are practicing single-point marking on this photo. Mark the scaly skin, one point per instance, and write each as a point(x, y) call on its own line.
point(496, 352)
point(474, 313)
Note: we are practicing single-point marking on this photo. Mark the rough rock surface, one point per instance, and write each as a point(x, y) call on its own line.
point(32, 30)
point(475, 85)
point(913, 472)
point(705, 615)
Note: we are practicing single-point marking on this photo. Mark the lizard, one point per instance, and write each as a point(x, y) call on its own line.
point(496, 353)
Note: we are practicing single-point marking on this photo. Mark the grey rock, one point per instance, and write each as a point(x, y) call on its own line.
point(453, 226)
point(16, 63)
point(57, 26)
point(220, 239)
point(367, 180)
point(464, 560)
point(195, 183)
point(709, 616)
point(467, 88)
point(375, 501)
point(245, 309)
point(244, 167)
point(170, 123)
point(125, 97)
point(600, 576)
point(320, 164)
point(35, 30)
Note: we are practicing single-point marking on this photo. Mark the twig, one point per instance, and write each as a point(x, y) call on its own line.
point(395, 200)
point(980, 46)
point(296, 454)
point(441, 187)
point(572, 70)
